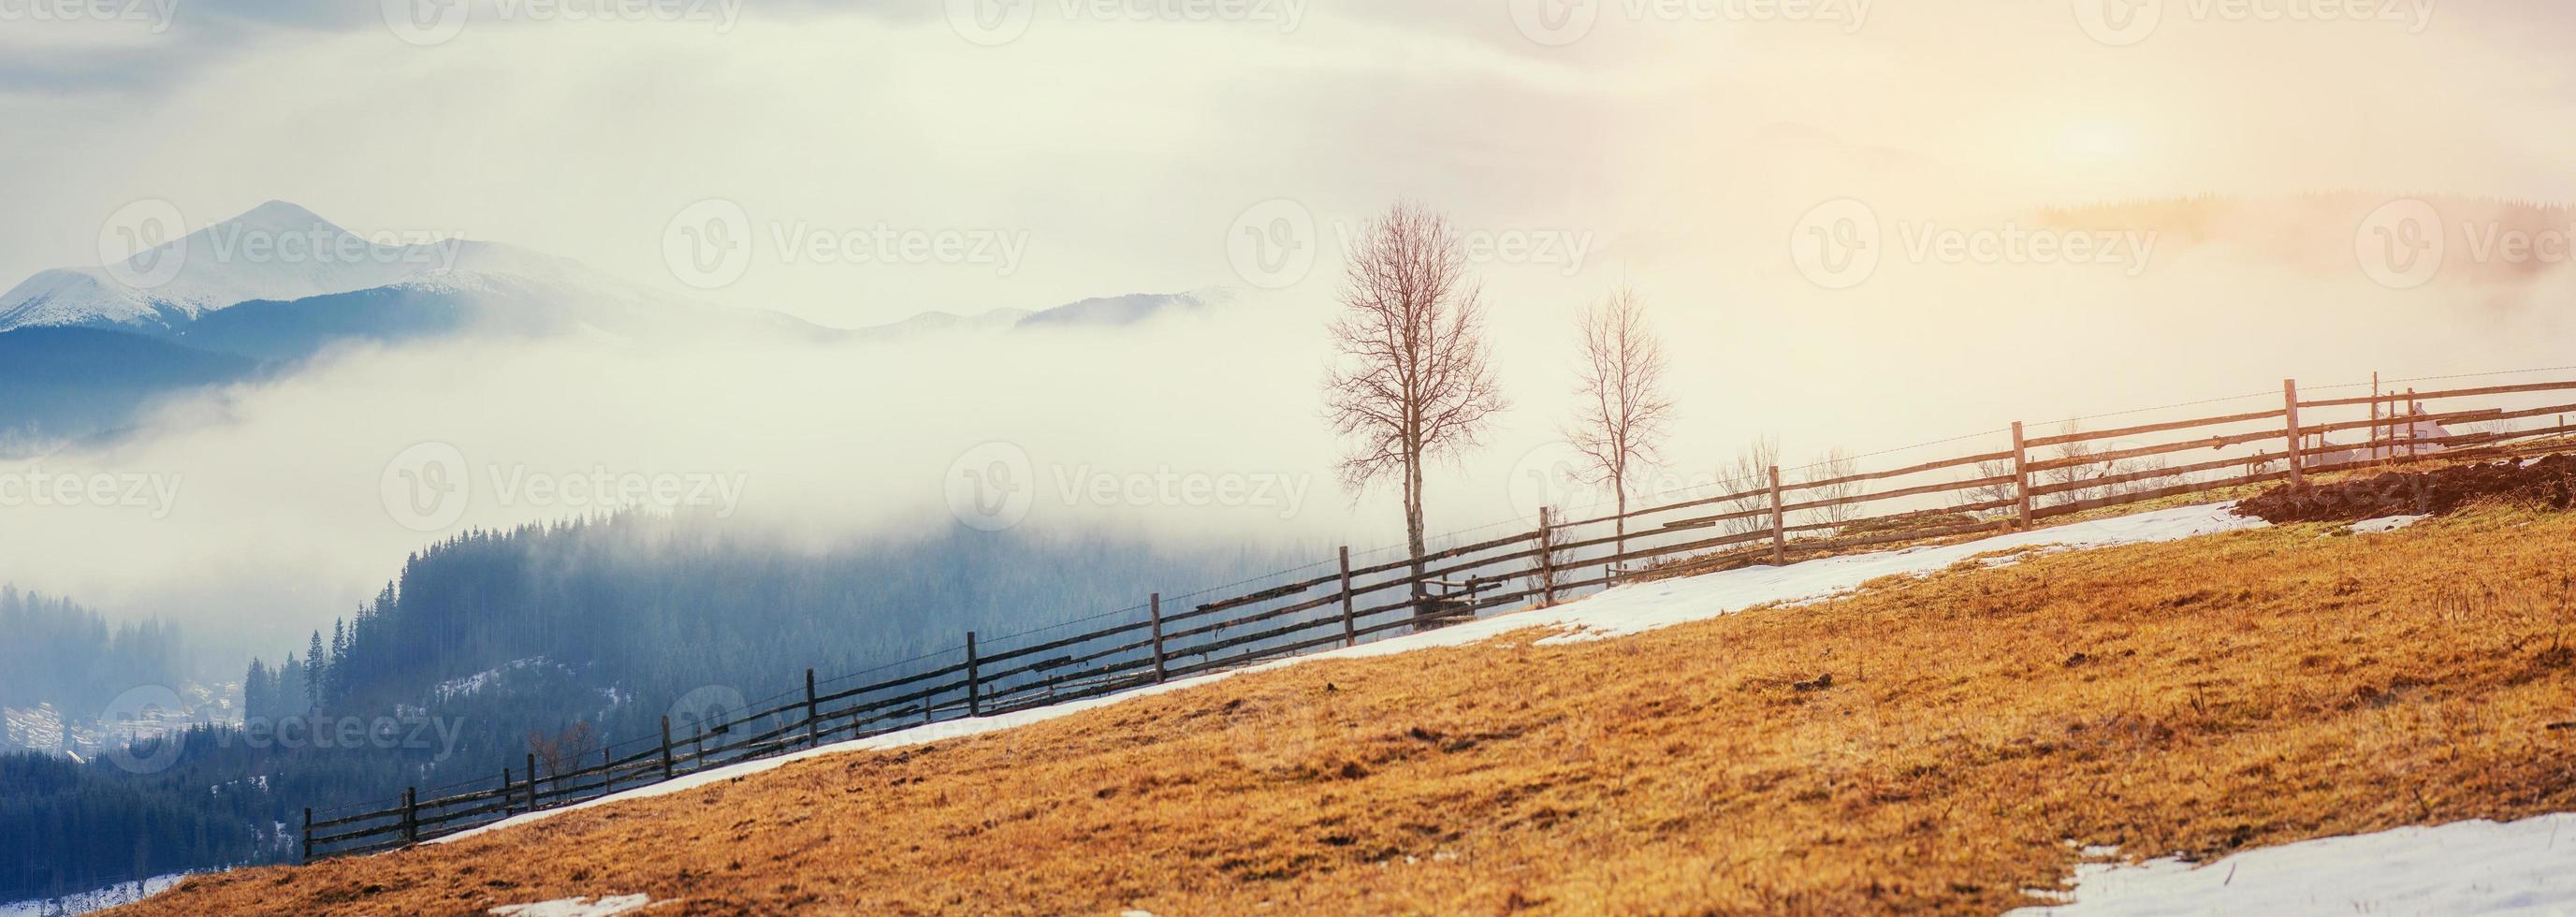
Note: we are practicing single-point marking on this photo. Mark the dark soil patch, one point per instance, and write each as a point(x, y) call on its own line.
point(2549, 482)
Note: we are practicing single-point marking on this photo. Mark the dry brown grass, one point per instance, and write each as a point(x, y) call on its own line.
point(2246, 689)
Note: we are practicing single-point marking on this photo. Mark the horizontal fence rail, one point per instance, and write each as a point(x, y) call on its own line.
point(1743, 521)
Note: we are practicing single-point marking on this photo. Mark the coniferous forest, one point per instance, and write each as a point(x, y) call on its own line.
point(484, 641)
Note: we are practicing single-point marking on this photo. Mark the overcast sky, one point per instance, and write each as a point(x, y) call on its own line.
point(1712, 152)
point(1119, 144)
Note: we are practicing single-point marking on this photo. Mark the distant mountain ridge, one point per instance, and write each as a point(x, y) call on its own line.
point(274, 251)
point(251, 296)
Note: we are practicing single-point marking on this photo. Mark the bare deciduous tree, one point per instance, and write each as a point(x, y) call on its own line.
point(2087, 476)
point(1623, 415)
point(1412, 380)
point(1837, 462)
point(561, 751)
point(1751, 477)
point(2003, 492)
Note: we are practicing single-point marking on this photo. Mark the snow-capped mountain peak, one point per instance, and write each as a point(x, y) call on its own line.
point(275, 251)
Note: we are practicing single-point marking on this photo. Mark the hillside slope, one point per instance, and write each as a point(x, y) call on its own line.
point(1981, 727)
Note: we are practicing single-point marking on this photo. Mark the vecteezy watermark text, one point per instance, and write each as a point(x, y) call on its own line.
point(1274, 244)
point(1840, 243)
point(2405, 243)
point(429, 487)
point(712, 243)
point(1556, 23)
point(2121, 23)
point(153, 494)
point(146, 244)
point(154, 15)
point(1000, 22)
point(995, 485)
point(437, 22)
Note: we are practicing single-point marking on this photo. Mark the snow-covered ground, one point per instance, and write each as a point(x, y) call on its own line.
point(2384, 524)
point(576, 907)
point(471, 685)
point(86, 902)
point(1617, 612)
point(2470, 867)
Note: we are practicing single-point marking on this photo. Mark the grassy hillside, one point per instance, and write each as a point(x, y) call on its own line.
point(1979, 728)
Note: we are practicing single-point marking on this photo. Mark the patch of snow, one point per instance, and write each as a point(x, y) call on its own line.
point(471, 684)
point(1648, 606)
point(99, 900)
point(1620, 611)
point(575, 907)
point(2385, 524)
point(2470, 867)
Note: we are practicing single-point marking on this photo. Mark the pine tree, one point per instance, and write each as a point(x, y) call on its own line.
point(338, 683)
point(255, 688)
point(316, 671)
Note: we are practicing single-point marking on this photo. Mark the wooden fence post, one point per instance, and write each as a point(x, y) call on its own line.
point(974, 699)
point(1547, 556)
point(509, 792)
point(2021, 478)
point(533, 805)
point(1779, 526)
point(666, 746)
point(2290, 403)
point(411, 815)
point(2409, 426)
point(1154, 607)
point(607, 781)
point(308, 837)
point(813, 735)
point(1350, 624)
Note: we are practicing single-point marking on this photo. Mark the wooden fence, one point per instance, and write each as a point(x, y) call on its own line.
point(1771, 519)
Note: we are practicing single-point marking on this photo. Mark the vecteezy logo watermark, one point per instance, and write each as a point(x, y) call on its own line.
point(428, 487)
point(706, 712)
point(142, 726)
point(1838, 245)
point(424, 487)
point(2122, 23)
point(711, 243)
point(1273, 245)
point(152, 494)
point(994, 486)
point(2402, 244)
point(436, 22)
point(1557, 23)
point(991, 486)
point(999, 22)
point(153, 15)
point(144, 244)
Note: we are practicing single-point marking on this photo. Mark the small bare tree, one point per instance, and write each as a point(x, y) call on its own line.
point(1622, 420)
point(1751, 477)
point(2003, 492)
point(2087, 474)
point(561, 751)
point(1412, 380)
point(1555, 561)
point(1837, 462)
